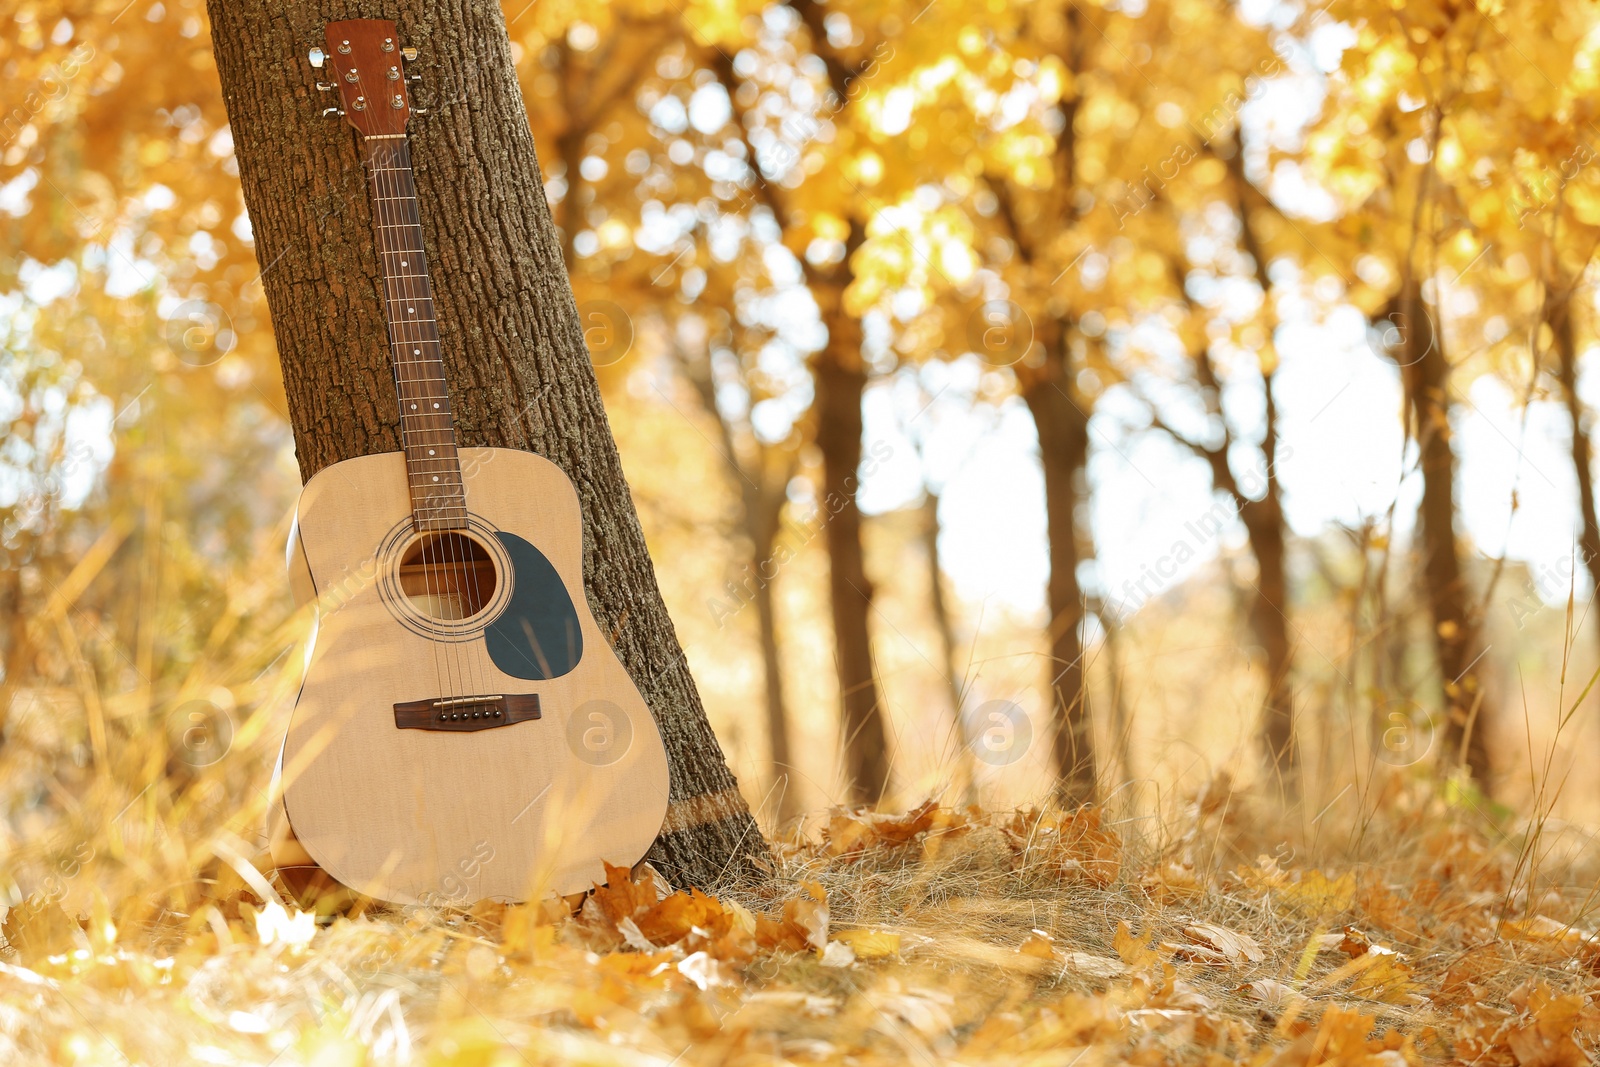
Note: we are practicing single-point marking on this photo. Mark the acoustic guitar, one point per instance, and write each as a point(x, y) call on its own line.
point(464, 731)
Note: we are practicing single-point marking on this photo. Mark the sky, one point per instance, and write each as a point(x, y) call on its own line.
point(1342, 460)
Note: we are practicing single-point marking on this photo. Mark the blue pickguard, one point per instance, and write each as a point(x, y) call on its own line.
point(537, 636)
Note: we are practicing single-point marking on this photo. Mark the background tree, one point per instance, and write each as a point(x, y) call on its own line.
point(1396, 207)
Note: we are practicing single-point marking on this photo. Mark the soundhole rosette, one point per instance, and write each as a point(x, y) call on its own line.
point(420, 588)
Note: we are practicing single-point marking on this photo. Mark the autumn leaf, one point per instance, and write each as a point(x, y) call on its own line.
point(1388, 978)
point(1543, 930)
point(1341, 1035)
point(1039, 945)
point(1234, 946)
point(1270, 993)
point(1544, 1034)
point(870, 944)
point(38, 927)
point(804, 923)
point(1134, 948)
point(1317, 894)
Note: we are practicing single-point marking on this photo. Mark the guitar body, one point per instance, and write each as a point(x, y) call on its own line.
point(461, 793)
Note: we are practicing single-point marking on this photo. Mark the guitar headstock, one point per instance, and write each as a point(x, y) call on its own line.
point(369, 71)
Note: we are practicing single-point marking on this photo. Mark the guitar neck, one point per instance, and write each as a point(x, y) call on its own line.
point(427, 430)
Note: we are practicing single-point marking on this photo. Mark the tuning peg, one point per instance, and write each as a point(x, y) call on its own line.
point(332, 111)
point(414, 78)
point(318, 57)
point(326, 87)
point(419, 111)
point(409, 54)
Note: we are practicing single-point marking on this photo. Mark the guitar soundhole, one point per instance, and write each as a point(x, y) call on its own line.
point(447, 575)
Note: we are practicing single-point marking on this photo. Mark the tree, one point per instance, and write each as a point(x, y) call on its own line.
point(760, 472)
point(839, 371)
point(1055, 198)
point(1413, 92)
point(514, 347)
point(1257, 496)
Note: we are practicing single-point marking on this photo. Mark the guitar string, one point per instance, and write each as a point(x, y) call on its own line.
point(454, 548)
point(477, 653)
point(467, 572)
point(378, 155)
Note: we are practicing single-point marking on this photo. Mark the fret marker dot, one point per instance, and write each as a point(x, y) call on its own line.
point(435, 477)
point(413, 407)
point(430, 451)
point(416, 351)
point(436, 407)
point(411, 311)
point(402, 262)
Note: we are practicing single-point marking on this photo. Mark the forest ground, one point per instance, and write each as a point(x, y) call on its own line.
point(1421, 933)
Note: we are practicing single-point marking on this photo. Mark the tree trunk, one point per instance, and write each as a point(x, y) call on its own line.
point(762, 495)
point(762, 527)
point(1560, 317)
point(520, 375)
point(1063, 430)
point(1456, 640)
point(942, 622)
point(840, 382)
point(1263, 522)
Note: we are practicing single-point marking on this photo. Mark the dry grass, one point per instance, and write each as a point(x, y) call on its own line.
point(935, 936)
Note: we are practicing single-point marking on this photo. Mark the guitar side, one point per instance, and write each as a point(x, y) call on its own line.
point(509, 812)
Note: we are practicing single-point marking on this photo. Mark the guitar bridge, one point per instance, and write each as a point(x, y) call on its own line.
point(465, 714)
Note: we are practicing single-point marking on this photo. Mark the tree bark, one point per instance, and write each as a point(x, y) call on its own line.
point(520, 374)
point(1063, 429)
point(840, 382)
point(1457, 644)
point(1263, 521)
point(1560, 318)
point(762, 495)
point(945, 625)
point(764, 534)
point(1269, 622)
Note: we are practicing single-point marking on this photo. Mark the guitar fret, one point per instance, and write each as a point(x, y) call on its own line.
point(433, 466)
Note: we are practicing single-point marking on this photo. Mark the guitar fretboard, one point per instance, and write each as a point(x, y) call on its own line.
point(427, 431)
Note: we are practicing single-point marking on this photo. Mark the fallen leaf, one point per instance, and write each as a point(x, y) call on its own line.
point(1039, 945)
point(1318, 894)
point(1192, 953)
point(1235, 946)
point(38, 928)
point(869, 944)
point(1541, 929)
point(1544, 1035)
point(1342, 1036)
point(1133, 948)
point(1387, 979)
point(838, 954)
point(1270, 993)
point(1092, 966)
